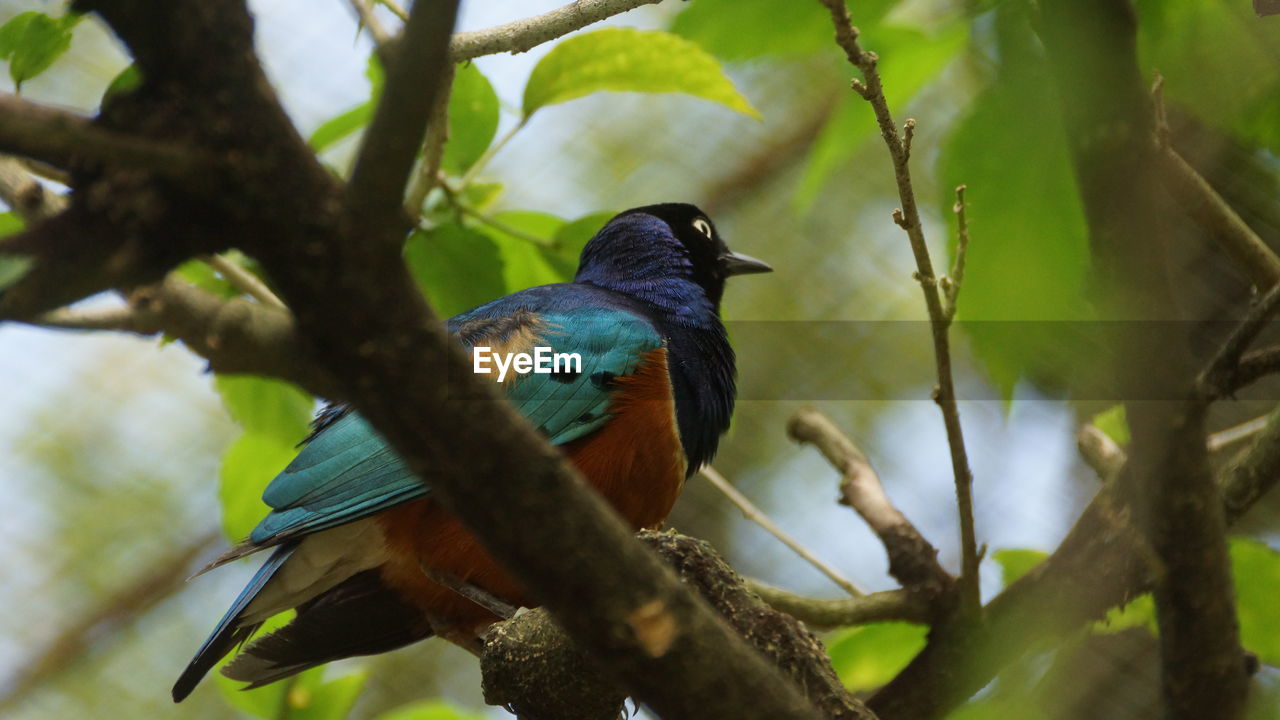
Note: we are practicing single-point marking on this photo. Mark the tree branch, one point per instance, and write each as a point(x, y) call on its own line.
point(60, 138)
point(390, 145)
point(1209, 210)
point(908, 218)
point(236, 336)
point(381, 38)
point(432, 148)
point(20, 190)
point(524, 35)
point(530, 666)
point(901, 605)
point(758, 516)
point(244, 281)
point(912, 559)
point(1104, 562)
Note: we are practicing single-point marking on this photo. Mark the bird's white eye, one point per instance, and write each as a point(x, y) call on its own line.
point(702, 226)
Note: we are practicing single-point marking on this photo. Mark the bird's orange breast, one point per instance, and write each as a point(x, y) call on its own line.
point(635, 461)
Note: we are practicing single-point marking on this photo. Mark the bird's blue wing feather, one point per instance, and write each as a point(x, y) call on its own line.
point(347, 471)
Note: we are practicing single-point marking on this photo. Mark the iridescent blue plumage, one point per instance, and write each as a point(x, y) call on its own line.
point(649, 281)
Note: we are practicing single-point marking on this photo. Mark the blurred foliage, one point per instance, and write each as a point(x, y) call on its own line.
point(812, 186)
point(274, 416)
point(869, 656)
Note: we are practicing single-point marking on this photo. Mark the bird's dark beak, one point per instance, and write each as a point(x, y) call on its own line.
point(739, 264)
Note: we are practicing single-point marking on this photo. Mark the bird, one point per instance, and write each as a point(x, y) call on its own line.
point(370, 562)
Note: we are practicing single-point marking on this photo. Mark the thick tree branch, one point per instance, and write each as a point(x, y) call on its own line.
point(524, 35)
point(60, 138)
point(912, 559)
point(236, 336)
point(1167, 483)
point(390, 145)
point(1104, 562)
point(908, 218)
point(530, 666)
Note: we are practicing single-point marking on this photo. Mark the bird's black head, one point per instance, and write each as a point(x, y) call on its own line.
point(640, 248)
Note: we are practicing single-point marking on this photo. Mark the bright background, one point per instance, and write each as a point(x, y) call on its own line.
point(112, 447)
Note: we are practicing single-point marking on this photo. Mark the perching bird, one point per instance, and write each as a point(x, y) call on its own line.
point(357, 538)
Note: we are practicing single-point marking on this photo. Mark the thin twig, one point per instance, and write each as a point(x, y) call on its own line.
point(1237, 433)
point(523, 35)
point(1219, 378)
point(486, 219)
point(432, 148)
point(889, 605)
point(1254, 366)
point(912, 559)
point(395, 9)
point(951, 284)
point(1100, 452)
point(758, 516)
point(244, 281)
point(1208, 209)
point(369, 19)
point(121, 318)
point(28, 198)
point(909, 219)
point(389, 148)
point(481, 162)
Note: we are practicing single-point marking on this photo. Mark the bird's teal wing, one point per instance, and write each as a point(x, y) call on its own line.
point(347, 471)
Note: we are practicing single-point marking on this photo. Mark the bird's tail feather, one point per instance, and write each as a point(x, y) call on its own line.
point(229, 632)
point(359, 616)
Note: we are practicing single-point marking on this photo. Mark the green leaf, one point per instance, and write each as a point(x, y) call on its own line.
point(456, 267)
point(525, 263)
point(12, 268)
point(248, 464)
point(869, 656)
point(1257, 574)
point(473, 119)
point(311, 699)
point(428, 710)
point(623, 59)
point(761, 27)
point(268, 406)
point(340, 126)
point(572, 237)
point(1113, 423)
point(1016, 563)
point(1138, 612)
point(1028, 261)
point(32, 41)
point(1236, 86)
point(198, 273)
point(10, 223)
point(128, 79)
